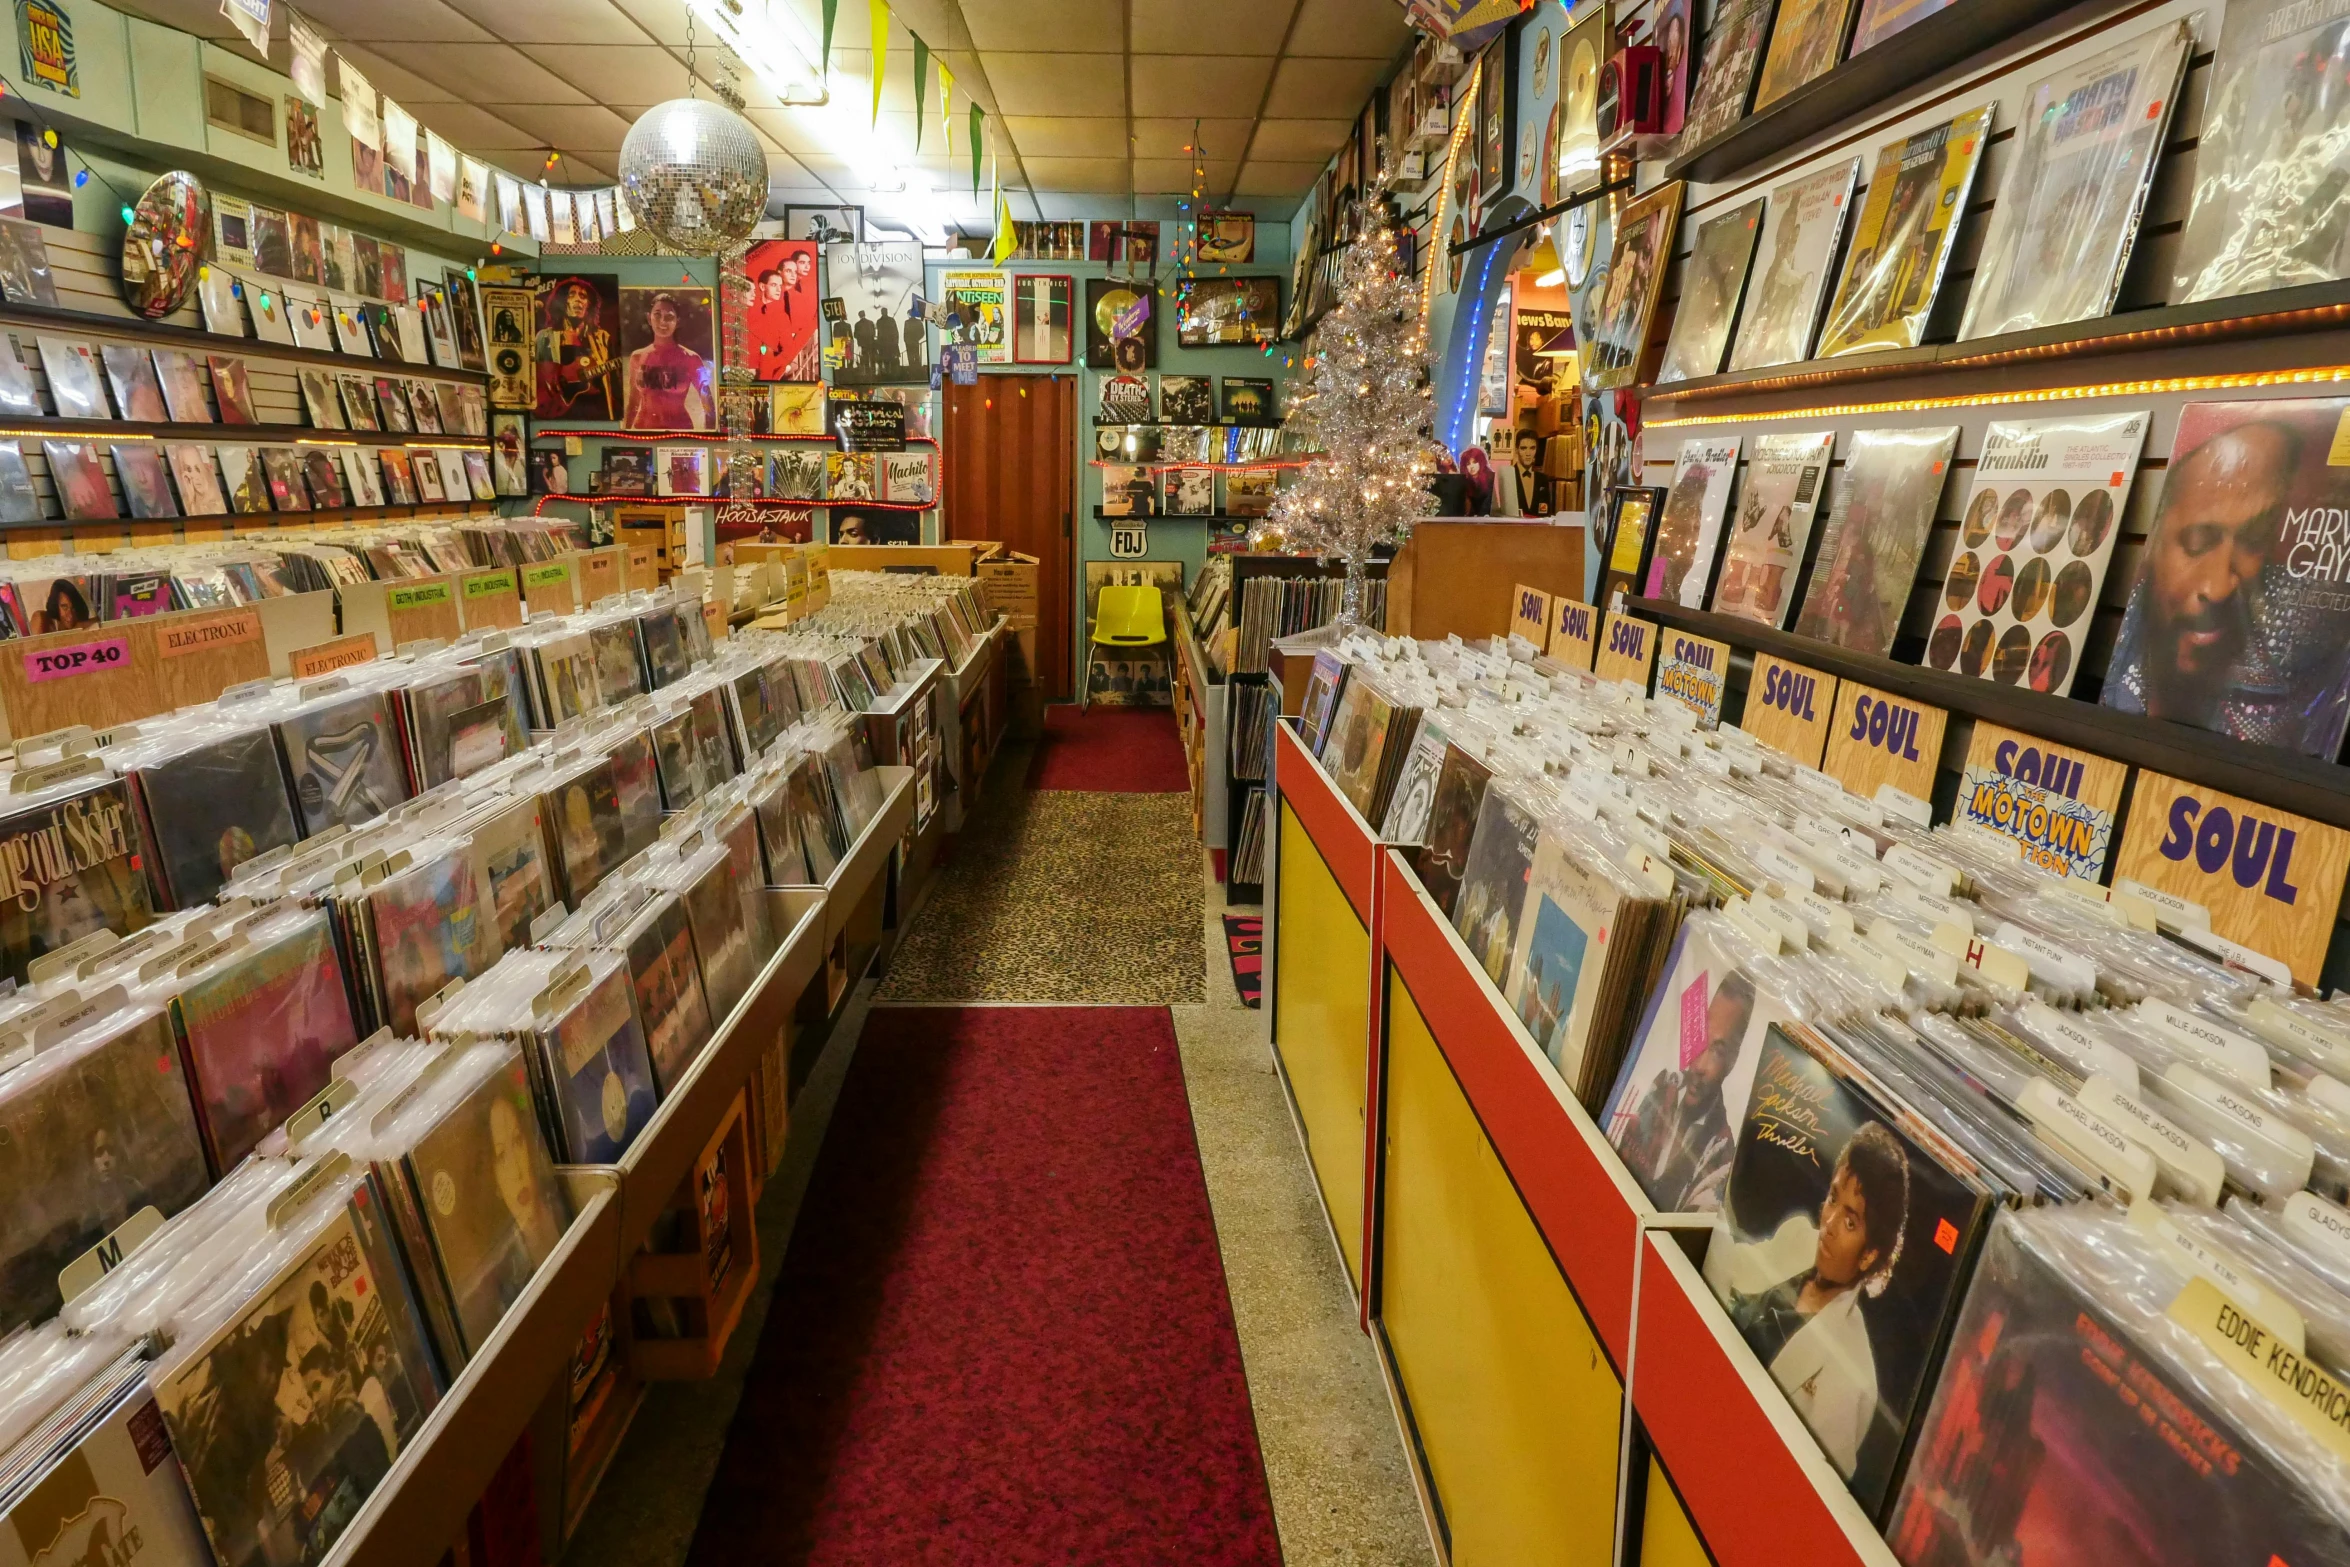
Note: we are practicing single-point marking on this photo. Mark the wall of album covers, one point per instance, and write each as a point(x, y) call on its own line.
point(1987, 587)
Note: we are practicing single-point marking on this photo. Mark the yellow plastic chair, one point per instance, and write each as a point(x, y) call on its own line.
point(1126, 617)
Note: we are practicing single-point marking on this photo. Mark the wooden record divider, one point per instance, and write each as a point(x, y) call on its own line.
point(1322, 875)
point(490, 600)
point(402, 610)
point(120, 671)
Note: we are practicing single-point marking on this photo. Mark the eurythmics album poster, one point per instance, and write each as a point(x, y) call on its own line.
point(2271, 208)
point(1885, 506)
point(1689, 531)
point(290, 1414)
point(1682, 1094)
point(1842, 1251)
point(1802, 225)
point(782, 315)
point(67, 868)
point(2239, 621)
point(2069, 207)
point(1902, 239)
point(2033, 546)
point(1771, 526)
point(2055, 1437)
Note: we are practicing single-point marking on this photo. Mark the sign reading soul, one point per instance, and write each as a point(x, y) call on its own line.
point(1787, 708)
point(1627, 649)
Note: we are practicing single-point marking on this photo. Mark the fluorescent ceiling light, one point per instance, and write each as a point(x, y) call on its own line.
point(771, 39)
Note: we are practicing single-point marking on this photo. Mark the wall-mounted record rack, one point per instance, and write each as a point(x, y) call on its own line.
point(2313, 307)
point(1873, 77)
point(171, 334)
point(2304, 785)
point(234, 434)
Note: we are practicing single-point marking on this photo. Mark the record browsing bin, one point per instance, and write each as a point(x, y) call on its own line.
point(695, 1285)
point(1519, 1286)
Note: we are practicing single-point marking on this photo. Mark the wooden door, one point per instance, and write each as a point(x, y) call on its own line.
point(1010, 456)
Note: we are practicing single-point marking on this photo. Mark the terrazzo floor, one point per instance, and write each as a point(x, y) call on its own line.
point(1062, 896)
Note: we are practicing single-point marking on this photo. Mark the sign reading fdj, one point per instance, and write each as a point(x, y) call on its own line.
point(2271, 880)
point(44, 38)
point(2058, 803)
point(1878, 738)
point(1129, 543)
point(1570, 632)
point(1787, 708)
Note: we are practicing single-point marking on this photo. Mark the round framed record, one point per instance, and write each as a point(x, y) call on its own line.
point(168, 241)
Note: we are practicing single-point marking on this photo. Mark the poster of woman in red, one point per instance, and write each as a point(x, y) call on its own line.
point(781, 317)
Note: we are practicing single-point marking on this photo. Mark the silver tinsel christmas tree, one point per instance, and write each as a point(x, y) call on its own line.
point(1362, 403)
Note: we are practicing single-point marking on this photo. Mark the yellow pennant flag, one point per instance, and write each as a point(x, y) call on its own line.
point(880, 13)
point(1007, 237)
point(946, 105)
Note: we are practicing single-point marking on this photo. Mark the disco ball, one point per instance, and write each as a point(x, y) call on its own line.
point(694, 175)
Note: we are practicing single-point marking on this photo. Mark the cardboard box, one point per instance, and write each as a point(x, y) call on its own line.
point(1020, 652)
point(1010, 584)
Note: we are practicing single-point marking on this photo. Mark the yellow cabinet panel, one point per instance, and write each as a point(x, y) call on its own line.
point(1322, 1023)
point(1517, 1408)
point(1667, 1537)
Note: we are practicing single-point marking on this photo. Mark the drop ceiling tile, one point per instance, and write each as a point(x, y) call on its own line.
point(1261, 178)
point(1235, 26)
point(1065, 137)
point(410, 21)
point(1169, 138)
point(1077, 174)
point(488, 73)
point(386, 76)
point(615, 73)
point(1079, 26)
point(470, 126)
point(1183, 85)
point(1350, 29)
point(1292, 140)
point(555, 21)
point(1322, 89)
point(1173, 177)
point(1056, 84)
point(591, 127)
point(669, 21)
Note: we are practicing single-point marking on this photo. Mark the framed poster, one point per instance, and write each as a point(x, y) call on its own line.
point(1122, 239)
point(575, 354)
point(824, 225)
point(1223, 310)
point(978, 298)
point(780, 316)
point(1043, 318)
point(1121, 324)
point(881, 341)
point(1496, 124)
point(1227, 238)
point(669, 338)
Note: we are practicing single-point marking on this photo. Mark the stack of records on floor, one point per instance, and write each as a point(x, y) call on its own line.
point(1942, 1107)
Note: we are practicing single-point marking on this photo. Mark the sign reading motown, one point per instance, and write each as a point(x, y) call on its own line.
point(2058, 803)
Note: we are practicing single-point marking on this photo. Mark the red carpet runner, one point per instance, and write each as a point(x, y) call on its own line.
point(1001, 1335)
point(1116, 750)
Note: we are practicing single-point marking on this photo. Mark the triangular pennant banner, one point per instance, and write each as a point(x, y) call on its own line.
point(946, 106)
point(921, 80)
point(1007, 238)
point(978, 119)
point(879, 10)
point(831, 10)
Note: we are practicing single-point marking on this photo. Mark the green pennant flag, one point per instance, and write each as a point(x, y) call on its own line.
point(921, 81)
point(878, 10)
point(831, 9)
point(977, 116)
